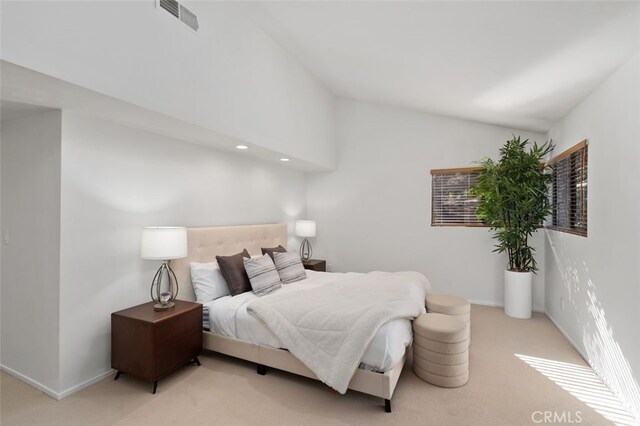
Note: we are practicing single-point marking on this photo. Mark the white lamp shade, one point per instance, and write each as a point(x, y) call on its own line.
point(306, 228)
point(163, 243)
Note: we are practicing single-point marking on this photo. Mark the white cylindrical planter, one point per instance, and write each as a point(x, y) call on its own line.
point(517, 294)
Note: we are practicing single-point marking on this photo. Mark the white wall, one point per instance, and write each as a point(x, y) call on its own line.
point(31, 259)
point(598, 276)
point(229, 76)
point(115, 180)
point(374, 211)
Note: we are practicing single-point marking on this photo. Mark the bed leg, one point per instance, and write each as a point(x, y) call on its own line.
point(262, 369)
point(387, 405)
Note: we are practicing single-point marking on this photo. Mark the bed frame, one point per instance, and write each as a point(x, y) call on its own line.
point(206, 243)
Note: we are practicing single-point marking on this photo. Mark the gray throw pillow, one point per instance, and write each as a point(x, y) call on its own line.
point(289, 267)
point(262, 274)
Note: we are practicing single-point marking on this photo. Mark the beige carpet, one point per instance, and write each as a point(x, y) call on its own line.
point(504, 389)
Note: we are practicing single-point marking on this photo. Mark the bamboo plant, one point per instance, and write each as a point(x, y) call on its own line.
point(513, 196)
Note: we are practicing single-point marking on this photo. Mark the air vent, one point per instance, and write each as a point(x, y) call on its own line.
point(189, 18)
point(171, 6)
point(179, 11)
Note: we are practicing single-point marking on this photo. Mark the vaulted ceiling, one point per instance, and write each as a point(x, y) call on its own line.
point(517, 64)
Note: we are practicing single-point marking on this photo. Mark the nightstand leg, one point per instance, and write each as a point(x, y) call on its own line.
point(155, 386)
point(196, 361)
point(262, 369)
point(387, 405)
point(117, 375)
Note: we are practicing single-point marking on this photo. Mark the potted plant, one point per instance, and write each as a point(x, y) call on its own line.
point(513, 196)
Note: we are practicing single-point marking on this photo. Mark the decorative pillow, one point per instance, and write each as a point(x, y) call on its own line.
point(232, 268)
point(270, 251)
point(262, 274)
point(208, 282)
point(289, 267)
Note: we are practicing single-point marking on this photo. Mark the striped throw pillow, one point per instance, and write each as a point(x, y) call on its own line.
point(289, 267)
point(262, 275)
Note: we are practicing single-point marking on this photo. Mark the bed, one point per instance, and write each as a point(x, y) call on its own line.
point(229, 329)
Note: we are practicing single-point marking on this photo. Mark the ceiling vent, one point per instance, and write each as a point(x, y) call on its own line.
point(179, 11)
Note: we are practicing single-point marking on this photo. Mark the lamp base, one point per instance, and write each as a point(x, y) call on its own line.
point(160, 307)
point(305, 250)
point(164, 297)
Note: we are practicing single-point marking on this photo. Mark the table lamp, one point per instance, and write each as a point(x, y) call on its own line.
point(164, 243)
point(305, 229)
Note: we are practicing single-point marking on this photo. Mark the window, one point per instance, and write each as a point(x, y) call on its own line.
point(451, 205)
point(569, 190)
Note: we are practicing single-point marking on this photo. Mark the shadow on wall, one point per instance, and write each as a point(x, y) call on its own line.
point(601, 348)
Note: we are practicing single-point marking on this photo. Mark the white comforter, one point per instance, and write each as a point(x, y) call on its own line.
point(228, 316)
point(329, 327)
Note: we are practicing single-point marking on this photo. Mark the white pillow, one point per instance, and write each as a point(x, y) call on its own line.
point(208, 282)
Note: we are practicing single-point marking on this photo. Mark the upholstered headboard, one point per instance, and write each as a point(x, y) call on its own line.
point(204, 244)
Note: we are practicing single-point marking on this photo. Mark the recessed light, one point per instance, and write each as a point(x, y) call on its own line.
point(242, 147)
point(285, 159)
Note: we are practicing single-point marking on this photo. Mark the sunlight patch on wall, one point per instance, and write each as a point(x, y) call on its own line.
point(600, 348)
point(605, 354)
point(585, 385)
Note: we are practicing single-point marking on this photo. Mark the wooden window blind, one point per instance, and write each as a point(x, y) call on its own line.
point(451, 203)
point(569, 190)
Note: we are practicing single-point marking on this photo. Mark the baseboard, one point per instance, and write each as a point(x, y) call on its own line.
point(500, 305)
point(85, 384)
point(485, 303)
point(30, 381)
point(570, 340)
point(53, 394)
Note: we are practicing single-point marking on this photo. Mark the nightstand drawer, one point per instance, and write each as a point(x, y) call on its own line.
point(168, 331)
point(174, 352)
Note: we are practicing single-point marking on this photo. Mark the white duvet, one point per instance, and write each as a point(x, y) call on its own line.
point(228, 316)
point(329, 327)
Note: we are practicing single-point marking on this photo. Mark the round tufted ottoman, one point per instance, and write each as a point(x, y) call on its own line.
point(441, 350)
point(450, 305)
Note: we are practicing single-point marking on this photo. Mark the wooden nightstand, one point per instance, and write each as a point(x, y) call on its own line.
point(148, 344)
point(315, 265)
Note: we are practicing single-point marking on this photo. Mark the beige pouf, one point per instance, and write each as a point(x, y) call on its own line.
point(450, 305)
point(441, 350)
